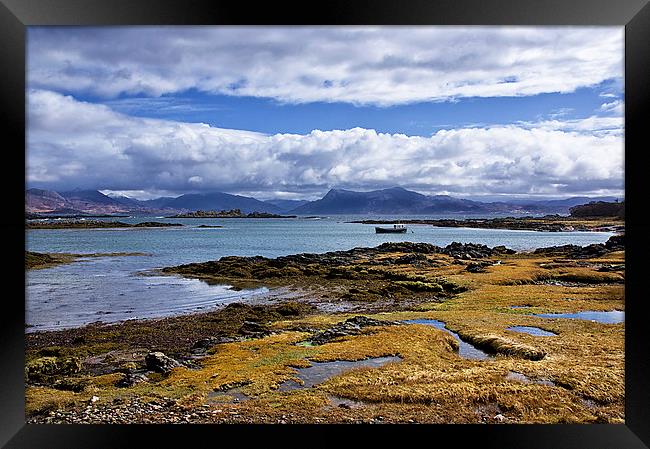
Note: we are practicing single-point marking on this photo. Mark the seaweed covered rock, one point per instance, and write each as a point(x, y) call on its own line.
point(45, 367)
point(159, 362)
point(576, 251)
point(351, 326)
point(616, 243)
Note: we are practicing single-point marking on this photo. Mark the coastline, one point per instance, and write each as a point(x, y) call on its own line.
point(94, 224)
point(541, 224)
point(247, 351)
point(38, 261)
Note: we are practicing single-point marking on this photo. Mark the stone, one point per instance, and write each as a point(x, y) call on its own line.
point(159, 362)
point(351, 326)
point(131, 379)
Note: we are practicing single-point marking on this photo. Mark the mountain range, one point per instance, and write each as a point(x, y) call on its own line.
point(396, 200)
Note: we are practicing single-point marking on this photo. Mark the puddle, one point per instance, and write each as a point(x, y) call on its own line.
point(520, 307)
point(611, 317)
point(229, 396)
point(535, 331)
point(321, 371)
point(527, 380)
point(465, 350)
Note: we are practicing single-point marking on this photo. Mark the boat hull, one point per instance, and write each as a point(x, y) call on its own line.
point(390, 230)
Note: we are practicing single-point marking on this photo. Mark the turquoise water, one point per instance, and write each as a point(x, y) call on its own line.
point(118, 288)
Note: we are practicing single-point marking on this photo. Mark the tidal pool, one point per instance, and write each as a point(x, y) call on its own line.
point(530, 330)
point(321, 371)
point(465, 349)
point(610, 317)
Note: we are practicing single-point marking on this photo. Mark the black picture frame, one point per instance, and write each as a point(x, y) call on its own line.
point(16, 15)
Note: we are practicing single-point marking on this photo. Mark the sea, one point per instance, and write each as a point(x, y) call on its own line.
point(112, 289)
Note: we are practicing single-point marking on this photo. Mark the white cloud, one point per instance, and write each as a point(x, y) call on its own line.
point(614, 107)
point(361, 65)
point(77, 144)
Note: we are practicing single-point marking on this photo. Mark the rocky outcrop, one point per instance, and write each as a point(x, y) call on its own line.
point(131, 379)
point(615, 243)
point(159, 362)
point(351, 326)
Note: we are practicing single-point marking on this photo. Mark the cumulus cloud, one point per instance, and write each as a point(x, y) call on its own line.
point(76, 144)
point(361, 65)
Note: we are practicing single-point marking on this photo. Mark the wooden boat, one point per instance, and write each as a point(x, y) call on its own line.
point(396, 229)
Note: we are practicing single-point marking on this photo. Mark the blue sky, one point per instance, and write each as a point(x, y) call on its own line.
point(279, 112)
point(419, 119)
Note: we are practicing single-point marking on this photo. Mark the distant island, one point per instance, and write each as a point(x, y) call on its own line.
point(595, 216)
point(91, 224)
point(233, 213)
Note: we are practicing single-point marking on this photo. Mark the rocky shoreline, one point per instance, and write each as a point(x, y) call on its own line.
point(549, 223)
point(193, 368)
point(35, 261)
point(93, 224)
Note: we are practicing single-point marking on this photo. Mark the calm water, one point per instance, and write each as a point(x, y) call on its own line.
point(610, 317)
point(465, 350)
point(535, 331)
point(319, 372)
point(117, 288)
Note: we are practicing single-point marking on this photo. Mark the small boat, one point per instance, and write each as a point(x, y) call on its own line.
point(396, 229)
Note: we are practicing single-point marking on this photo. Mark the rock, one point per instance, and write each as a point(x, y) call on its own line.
point(131, 379)
point(351, 326)
point(616, 243)
point(159, 362)
point(477, 267)
point(206, 343)
point(253, 329)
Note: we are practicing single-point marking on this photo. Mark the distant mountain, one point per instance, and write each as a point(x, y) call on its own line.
point(397, 201)
point(392, 201)
point(89, 197)
point(386, 201)
point(39, 200)
point(220, 201)
point(562, 205)
point(286, 205)
point(157, 203)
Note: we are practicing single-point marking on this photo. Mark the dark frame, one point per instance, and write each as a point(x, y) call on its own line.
point(16, 15)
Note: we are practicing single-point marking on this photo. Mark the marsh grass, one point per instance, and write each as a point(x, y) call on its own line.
point(431, 383)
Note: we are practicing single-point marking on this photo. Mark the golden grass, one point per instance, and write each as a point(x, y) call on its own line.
point(431, 383)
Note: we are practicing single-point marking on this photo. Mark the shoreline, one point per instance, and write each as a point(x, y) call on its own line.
point(39, 261)
point(183, 362)
point(540, 224)
point(95, 224)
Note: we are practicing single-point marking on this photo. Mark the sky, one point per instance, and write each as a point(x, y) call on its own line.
point(290, 112)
